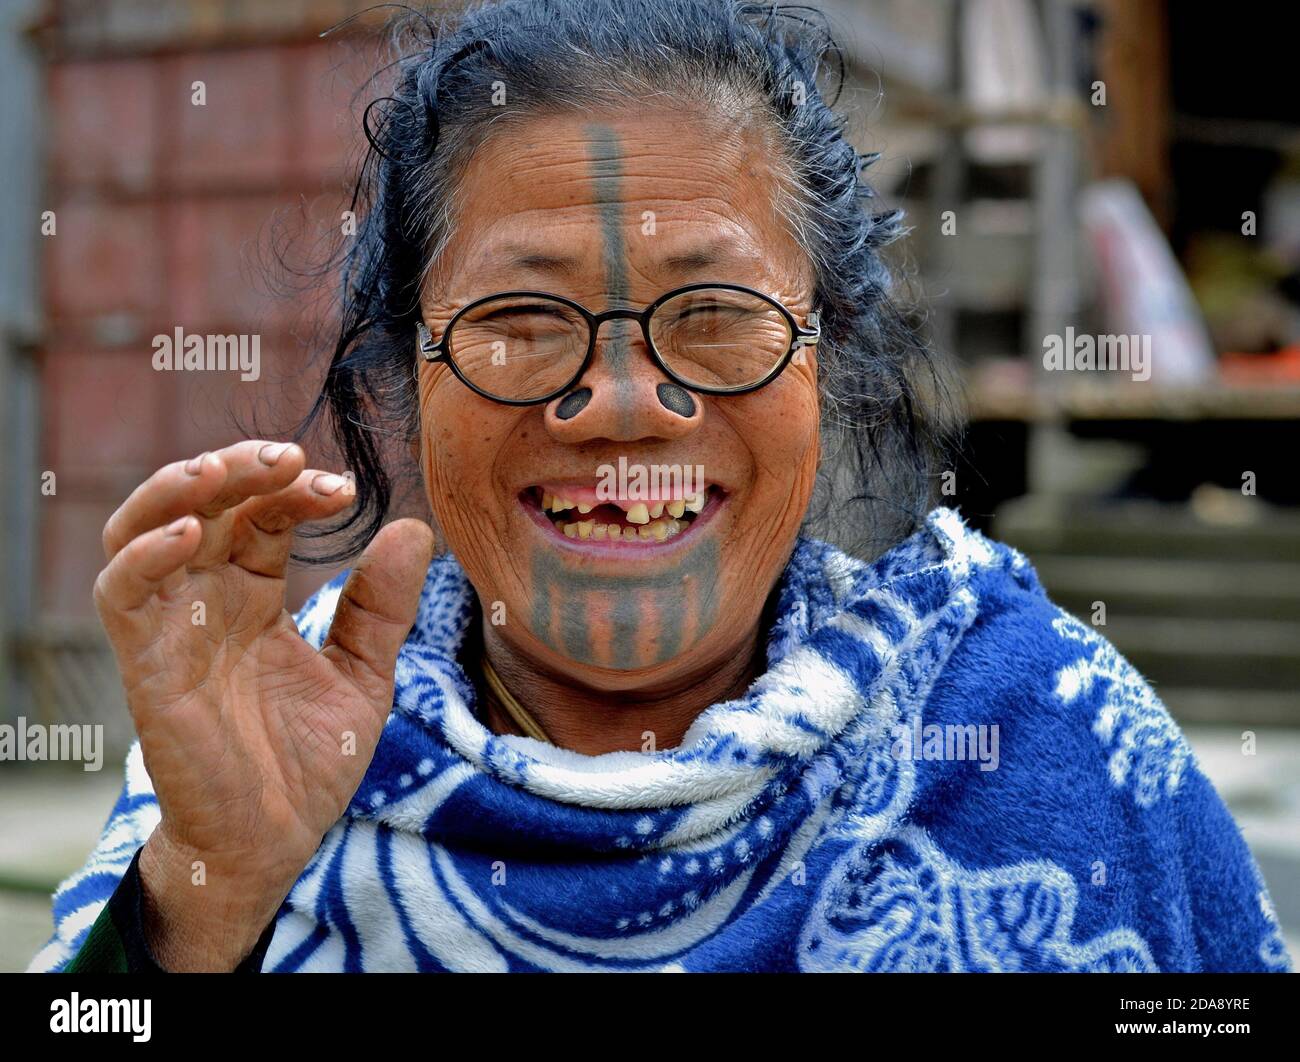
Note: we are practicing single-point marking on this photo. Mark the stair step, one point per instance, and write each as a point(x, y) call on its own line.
point(1249, 654)
point(1268, 590)
point(1039, 527)
point(1240, 707)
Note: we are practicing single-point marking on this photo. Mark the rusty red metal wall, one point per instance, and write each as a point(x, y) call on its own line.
point(164, 216)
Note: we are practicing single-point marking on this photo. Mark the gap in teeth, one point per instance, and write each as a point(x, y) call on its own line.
point(641, 513)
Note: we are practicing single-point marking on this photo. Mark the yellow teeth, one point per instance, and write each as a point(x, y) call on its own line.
point(655, 522)
point(556, 504)
point(654, 531)
point(640, 513)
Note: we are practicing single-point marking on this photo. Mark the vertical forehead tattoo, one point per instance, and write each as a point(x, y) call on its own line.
point(606, 155)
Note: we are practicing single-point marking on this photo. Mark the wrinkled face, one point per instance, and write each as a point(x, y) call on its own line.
point(619, 534)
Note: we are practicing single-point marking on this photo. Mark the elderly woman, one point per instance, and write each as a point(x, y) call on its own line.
point(618, 708)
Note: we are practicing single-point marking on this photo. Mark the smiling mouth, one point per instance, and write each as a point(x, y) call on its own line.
point(576, 513)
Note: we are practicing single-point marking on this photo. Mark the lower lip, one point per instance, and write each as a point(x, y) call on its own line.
point(626, 550)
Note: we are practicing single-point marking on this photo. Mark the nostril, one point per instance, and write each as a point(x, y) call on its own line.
point(573, 403)
point(677, 399)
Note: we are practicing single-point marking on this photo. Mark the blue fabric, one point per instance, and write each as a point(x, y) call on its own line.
point(847, 813)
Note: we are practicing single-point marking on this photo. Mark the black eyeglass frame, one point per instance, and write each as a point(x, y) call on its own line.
point(800, 336)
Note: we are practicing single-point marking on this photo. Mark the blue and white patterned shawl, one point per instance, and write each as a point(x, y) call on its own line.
point(791, 829)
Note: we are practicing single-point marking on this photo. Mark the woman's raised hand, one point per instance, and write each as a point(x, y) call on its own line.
point(254, 740)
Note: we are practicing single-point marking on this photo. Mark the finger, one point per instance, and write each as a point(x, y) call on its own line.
point(254, 467)
point(138, 571)
point(377, 607)
point(263, 533)
point(164, 497)
point(206, 485)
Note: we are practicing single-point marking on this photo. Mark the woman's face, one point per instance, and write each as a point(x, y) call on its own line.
point(613, 212)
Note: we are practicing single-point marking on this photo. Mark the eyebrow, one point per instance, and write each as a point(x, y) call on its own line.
point(519, 256)
point(514, 257)
point(696, 258)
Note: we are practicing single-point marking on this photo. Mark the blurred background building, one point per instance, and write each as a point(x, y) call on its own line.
point(1069, 168)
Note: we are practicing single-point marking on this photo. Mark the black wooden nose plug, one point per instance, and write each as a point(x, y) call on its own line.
point(678, 399)
point(573, 403)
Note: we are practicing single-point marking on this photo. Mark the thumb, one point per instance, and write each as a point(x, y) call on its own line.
point(378, 604)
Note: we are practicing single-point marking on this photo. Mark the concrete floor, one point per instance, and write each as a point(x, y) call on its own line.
point(50, 820)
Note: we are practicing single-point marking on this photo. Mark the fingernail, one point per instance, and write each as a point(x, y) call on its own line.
point(193, 465)
point(327, 483)
point(176, 527)
point(272, 452)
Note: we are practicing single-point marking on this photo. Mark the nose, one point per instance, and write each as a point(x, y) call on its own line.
point(623, 395)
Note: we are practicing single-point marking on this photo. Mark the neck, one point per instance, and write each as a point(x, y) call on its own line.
point(592, 721)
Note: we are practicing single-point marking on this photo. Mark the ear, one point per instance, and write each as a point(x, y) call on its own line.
point(417, 361)
point(440, 542)
point(417, 439)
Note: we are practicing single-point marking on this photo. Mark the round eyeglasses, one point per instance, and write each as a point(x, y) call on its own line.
point(526, 347)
